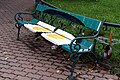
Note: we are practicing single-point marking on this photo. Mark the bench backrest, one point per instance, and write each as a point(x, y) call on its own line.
point(86, 21)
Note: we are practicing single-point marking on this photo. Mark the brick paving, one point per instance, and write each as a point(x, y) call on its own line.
point(28, 59)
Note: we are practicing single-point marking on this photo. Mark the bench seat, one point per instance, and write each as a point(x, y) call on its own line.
point(59, 37)
point(39, 27)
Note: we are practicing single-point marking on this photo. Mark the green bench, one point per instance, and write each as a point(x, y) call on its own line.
point(74, 33)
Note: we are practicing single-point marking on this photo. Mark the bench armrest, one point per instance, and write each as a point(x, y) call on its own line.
point(18, 16)
point(78, 45)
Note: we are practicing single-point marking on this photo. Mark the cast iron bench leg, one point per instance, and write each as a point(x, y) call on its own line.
point(19, 27)
point(73, 66)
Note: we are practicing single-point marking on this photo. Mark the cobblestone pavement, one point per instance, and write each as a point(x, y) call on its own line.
point(28, 59)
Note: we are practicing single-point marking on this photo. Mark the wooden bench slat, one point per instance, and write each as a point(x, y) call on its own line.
point(60, 37)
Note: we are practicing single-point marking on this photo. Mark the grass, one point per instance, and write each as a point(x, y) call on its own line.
point(99, 9)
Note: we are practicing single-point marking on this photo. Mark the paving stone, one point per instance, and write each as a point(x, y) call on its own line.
point(62, 79)
point(24, 62)
point(80, 71)
point(27, 66)
point(16, 68)
point(43, 58)
point(4, 66)
point(111, 76)
point(66, 73)
point(87, 76)
point(22, 78)
point(6, 70)
point(30, 57)
point(58, 64)
point(37, 64)
point(7, 79)
point(44, 73)
point(7, 52)
point(103, 72)
point(36, 76)
point(34, 79)
point(64, 68)
point(3, 62)
point(14, 64)
point(1, 78)
point(30, 70)
point(21, 58)
point(22, 73)
point(80, 78)
point(50, 66)
point(99, 78)
point(15, 50)
point(52, 70)
point(55, 60)
point(46, 62)
point(1, 73)
point(40, 68)
point(95, 74)
point(11, 60)
point(10, 56)
point(48, 78)
point(33, 60)
point(18, 54)
point(8, 75)
point(60, 76)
